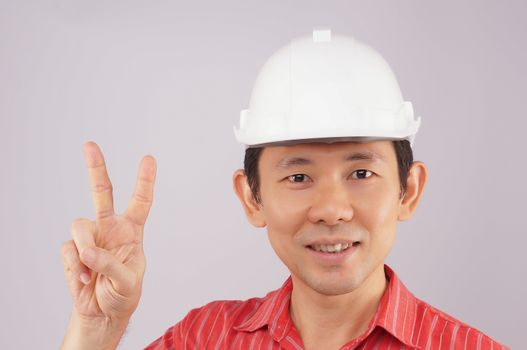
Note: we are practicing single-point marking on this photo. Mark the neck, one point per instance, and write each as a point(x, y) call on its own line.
point(335, 319)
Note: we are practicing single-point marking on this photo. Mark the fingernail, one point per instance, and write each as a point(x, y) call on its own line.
point(85, 278)
point(88, 255)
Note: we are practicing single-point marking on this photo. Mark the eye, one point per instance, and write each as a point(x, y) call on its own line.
point(297, 178)
point(361, 174)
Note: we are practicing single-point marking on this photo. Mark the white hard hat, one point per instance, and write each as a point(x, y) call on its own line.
point(325, 88)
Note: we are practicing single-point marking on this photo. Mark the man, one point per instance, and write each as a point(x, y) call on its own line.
point(329, 172)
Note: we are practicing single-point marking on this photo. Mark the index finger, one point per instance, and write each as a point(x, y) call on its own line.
point(144, 191)
point(101, 187)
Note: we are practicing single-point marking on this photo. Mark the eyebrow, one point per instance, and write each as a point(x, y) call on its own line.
point(289, 162)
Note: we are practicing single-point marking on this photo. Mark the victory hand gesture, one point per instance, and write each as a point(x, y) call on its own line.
point(104, 264)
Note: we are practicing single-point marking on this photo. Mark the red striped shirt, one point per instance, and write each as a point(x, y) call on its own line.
point(401, 322)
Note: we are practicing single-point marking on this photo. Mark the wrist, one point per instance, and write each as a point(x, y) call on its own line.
point(99, 333)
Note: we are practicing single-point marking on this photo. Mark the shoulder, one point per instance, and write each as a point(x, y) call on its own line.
point(219, 312)
point(214, 320)
point(434, 327)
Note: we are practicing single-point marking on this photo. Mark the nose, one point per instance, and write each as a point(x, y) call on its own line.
point(331, 205)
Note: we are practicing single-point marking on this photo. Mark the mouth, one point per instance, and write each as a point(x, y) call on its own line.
point(332, 248)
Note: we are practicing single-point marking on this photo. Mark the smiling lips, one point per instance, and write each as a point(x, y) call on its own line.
point(332, 248)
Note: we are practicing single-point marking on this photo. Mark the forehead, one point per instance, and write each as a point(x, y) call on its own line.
point(320, 153)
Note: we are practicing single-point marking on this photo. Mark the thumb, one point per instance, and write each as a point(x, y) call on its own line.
point(105, 263)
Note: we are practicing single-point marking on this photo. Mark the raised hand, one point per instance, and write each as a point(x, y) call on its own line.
point(104, 263)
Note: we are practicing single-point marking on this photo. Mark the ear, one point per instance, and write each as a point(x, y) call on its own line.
point(416, 180)
point(252, 209)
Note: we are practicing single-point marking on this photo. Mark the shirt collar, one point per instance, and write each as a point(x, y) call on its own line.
point(272, 312)
point(396, 311)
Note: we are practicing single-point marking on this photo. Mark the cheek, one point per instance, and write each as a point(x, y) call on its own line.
point(377, 212)
point(284, 213)
point(379, 208)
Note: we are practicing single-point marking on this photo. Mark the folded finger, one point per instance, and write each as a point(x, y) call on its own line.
point(74, 269)
point(105, 263)
point(83, 233)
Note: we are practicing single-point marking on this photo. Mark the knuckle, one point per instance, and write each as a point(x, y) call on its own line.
point(78, 223)
point(146, 179)
point(101, 188)
point(65, 248)
point(70, 258)
point(142, 198)
point(79, 226)
point(102, 214)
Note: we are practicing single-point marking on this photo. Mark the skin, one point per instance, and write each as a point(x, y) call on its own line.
point(332, 199)
point(106, 284)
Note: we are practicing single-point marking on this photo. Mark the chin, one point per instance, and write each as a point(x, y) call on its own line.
point(332, 284)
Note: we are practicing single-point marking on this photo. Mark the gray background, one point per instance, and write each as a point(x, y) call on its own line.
point(169, 78)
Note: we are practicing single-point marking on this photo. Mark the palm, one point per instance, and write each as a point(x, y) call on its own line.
point(121, 236)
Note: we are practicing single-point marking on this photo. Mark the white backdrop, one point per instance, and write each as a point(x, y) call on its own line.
point(169, 78)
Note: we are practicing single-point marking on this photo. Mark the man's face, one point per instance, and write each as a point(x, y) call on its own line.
point(317, 195)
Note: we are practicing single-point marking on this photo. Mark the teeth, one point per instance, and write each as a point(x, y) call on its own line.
point(328, 248)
